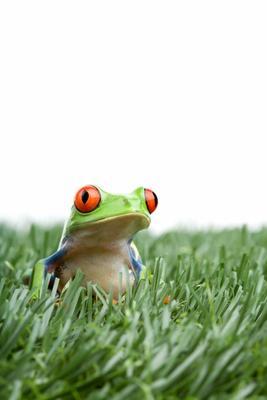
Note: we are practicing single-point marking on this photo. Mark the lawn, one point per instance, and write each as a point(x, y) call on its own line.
point(209, 342)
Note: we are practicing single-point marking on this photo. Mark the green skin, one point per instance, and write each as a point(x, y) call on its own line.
point(98, 242)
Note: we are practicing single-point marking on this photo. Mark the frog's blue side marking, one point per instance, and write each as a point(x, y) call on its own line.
point(54, 258)
point(51, 262)
point(135, 258)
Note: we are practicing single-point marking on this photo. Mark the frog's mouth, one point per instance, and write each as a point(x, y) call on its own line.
point(111, 229)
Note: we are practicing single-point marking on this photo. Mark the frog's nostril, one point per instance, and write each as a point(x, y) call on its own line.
point(127, 202)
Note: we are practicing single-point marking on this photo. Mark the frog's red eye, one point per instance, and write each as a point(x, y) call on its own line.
point(87, 199)
point(151, 200)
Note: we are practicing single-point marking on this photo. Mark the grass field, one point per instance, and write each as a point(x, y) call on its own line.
point(209, 342)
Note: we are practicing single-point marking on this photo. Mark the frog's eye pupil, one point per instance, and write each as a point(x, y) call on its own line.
point(87, 199)
point(85, 196)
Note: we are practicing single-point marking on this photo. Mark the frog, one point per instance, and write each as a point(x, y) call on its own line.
point(98, 240)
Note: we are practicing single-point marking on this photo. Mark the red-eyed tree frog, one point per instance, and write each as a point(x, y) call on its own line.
point(98, 240)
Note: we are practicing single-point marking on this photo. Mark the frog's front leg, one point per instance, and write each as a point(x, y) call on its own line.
point(136, 260)
point(37, 278)
point(41, 268)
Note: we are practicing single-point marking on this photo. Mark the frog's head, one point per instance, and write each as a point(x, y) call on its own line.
point(109, 215)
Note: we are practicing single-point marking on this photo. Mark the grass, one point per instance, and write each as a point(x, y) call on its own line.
point(209, 342)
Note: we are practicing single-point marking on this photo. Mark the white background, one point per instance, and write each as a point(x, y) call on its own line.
point(169, 95)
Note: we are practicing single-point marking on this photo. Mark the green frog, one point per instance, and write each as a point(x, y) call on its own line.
point(98, 240)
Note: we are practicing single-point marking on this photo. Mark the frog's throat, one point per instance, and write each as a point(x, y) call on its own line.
point(119, 227)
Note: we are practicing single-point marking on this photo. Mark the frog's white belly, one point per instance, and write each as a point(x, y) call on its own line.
point(106, 267)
